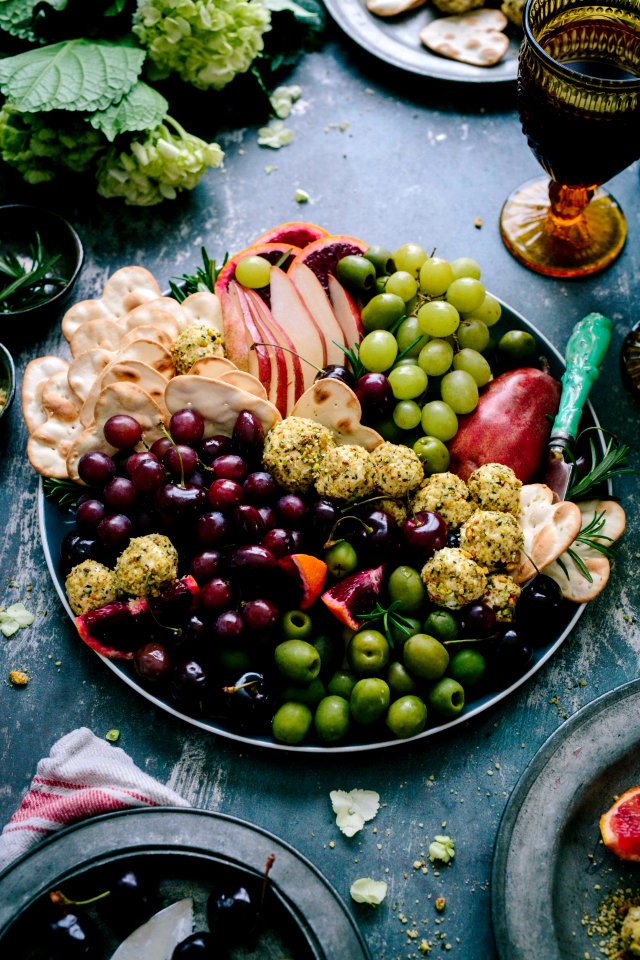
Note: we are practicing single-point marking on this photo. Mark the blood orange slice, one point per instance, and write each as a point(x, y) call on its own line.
point(295, 232)
point(311, 573)
point(354, 595)
point(620, 826)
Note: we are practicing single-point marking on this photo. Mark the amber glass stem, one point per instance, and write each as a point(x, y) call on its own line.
point(568, 203)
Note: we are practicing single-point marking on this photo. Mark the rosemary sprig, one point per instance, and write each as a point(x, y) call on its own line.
point(390, 619)
point(31, 279)
point(204, 278)
point(590, 536)
point(353, 356)
point(612, 464)
point(65, 493)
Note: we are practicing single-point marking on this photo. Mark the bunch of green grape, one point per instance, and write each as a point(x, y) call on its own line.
point(427, 322)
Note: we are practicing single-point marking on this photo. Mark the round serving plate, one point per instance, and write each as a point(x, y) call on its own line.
point(54, 525)
point(550, 869)
point(189, 852)
point(395, 40)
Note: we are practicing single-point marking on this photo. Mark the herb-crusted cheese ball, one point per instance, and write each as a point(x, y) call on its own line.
point(397, 469)
point(630, 932)
point(446, 495)
point(194, 343)
point(502, 595)
point(395, 508)
point(493, 539)
point(294, 450)
point(346, 473)
point(90, 585)
point(453, 578)
point(495, 486)
point(147, 566)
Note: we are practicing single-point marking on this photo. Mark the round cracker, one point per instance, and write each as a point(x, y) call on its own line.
point(148, 351)
point(474, 37)
point(203, 307)
point(156, 314)
point(58, 399)
point(212, 367)
point(218, 402)
point(246, 381)
point(84, 370)
point(49, 445)
point(573, 584)
point(548, 528)
point(96, 334)
point(81, 312)
point(146, 332)
point(127, 288)
point(36, 374)
point(611, 512)
point(125, 371)
point(333, 404)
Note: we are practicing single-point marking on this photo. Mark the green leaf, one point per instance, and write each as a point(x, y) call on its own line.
point(142, 108)
point(16, 18)
point(277, 6)
point(73, 75)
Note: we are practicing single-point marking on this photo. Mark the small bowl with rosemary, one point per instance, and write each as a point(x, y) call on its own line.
point(40, 259)
point(7, 380)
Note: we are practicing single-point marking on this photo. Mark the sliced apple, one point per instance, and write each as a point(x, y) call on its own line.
point(292, 316)
point(319, 306)
point(276, 387)
point(236, 341)
point(346, 310)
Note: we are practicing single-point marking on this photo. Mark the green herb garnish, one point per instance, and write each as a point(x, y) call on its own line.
point(31, 280)
point(390, 619)
point(204, 278)
point(613, 463)
point(65, 493)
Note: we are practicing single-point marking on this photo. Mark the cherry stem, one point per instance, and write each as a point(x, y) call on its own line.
point(178, 454)
point(348, 516)
point(277, 346)
point(240, 686)
point(265, 880)
point(58, 898)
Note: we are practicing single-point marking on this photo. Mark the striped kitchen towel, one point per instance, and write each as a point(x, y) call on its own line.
point(82, 777)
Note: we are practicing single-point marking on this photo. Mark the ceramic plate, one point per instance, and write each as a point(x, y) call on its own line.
point(54, 525)
point(395, 40)
point(550, 869)
point(189, 852)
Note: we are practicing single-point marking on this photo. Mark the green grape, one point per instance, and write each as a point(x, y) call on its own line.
point(253, 272)
point(409, 257)
point(433, 454)
point(438, 318)
point(407, 414)
point(517, 347)
point(382, 311)
point(439, 420)
point(460, 391)
point(475, 364)
point(407, 333)
point(436, 357)
point(406, 362)
point(380, 285)
point(465, 294)
point(465, 267)
point(378, 351)
point(473, 334)
point(489, 311)
point(435, 276)
point(407, 381)
point(403, 284)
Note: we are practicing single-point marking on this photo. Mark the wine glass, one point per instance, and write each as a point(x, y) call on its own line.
point(579, 102)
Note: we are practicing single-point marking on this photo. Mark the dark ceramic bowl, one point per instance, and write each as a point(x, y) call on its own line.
point(19, 224)
point(7, 379)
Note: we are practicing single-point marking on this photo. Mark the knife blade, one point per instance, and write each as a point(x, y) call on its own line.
point(158, 937)
point(586, 349)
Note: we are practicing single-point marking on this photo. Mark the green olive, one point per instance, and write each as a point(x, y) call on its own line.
point(400, 632)
point(425, 657)
point(381, 258)
point(332, 718)
point(517, 347)
point(399, 679)
point(296, 625)
point(446, 697)
point(468, 667)
point(368, 652)
point(297, 660)
point(357, 273)
point(382, 311)
point(292, 722)
point(442, 625)
point(331, 650)
point(369, 700)
point(342, 683)
point(407, 716)
point(341, 559)
point(405, 587)
point(310, 694)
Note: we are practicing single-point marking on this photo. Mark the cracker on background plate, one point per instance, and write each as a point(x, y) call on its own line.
point(475, 37)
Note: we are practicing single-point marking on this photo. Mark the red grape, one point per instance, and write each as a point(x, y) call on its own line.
point(96, 468)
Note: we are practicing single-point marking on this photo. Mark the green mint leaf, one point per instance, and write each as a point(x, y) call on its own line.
point(142, 108)
point(73, 75)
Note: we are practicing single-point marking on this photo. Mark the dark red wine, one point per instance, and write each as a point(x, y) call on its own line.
point(583, 121)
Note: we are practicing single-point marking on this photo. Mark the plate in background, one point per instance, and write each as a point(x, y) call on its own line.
point(396, 41)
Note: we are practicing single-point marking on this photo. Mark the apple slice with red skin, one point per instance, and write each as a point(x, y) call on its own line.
point(319, 306)
point(277, 334)
point(346, 310)
point(278, 385)
point(281, 253)
point(292, 316)
point(322, 257)
point(259, 358)
point(236, 341)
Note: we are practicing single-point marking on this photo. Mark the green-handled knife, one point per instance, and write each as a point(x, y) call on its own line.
point(586, 349)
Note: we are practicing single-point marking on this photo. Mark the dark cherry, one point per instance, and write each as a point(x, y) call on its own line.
point(334, 371)
point(189, 682)
point(225, 494)
point(197, 946)
point(216, 595)
point(248, 437)
point(248, 524)
point(120, 495)
point(89, 514)
point(478, 620)
point(229, 625)
point(374, 392)
point(96, 468)
point(248, 701)
point(229, 466)
point(380, 541)
point(424, 533)
point(180, 460)
point(260, 488)
point(205, 565)
point(291, 509)
point(510, 657)
point(114, 530)
point(279, 542)
point(147, 474)
point(320, 520)
point(250, 560)
point(269, 517)
point(133, 899)
point(260, 614)
point(212, 528)
point(231, 914)
point(187, 426)
point(152, 662)
point(214, 447)
point(70, 936)
point(538, 608)
point(159, 447)
point(122, 431)
point(176, 503)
